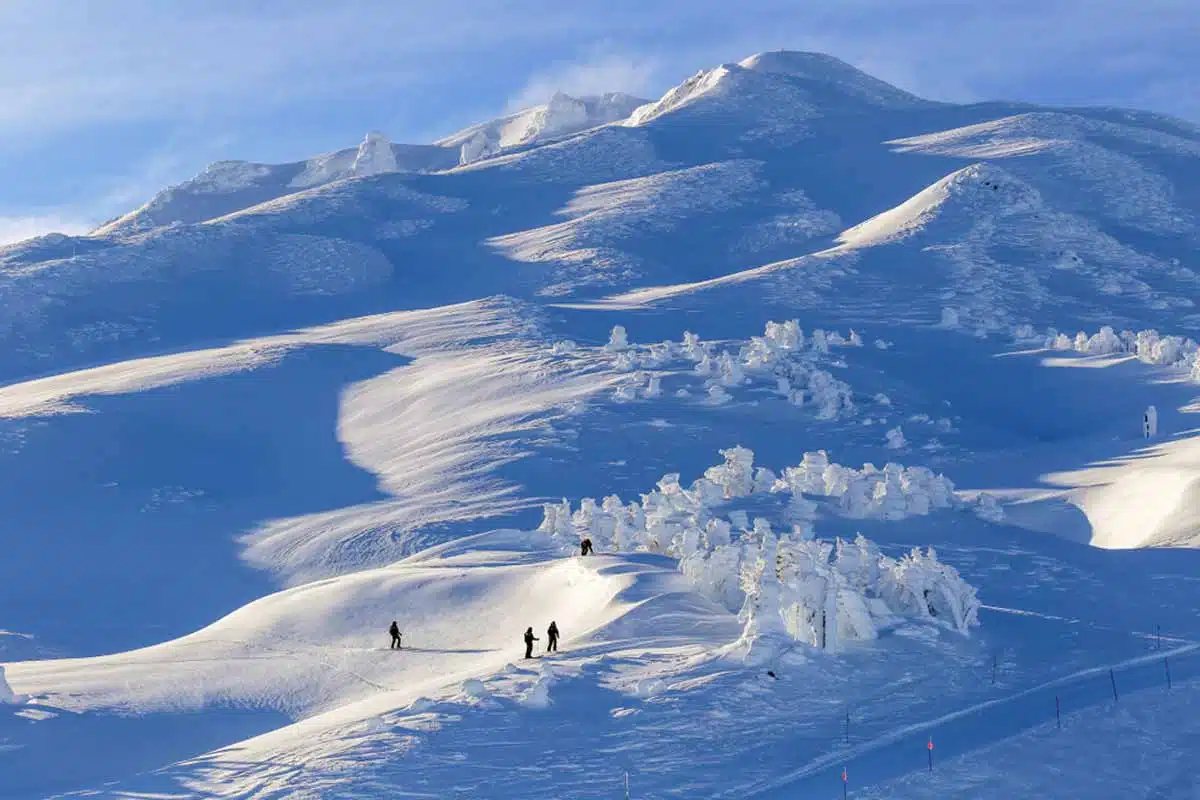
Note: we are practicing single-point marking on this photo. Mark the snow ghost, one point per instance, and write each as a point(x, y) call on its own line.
point(618, 339)
point(1150, 422)
point(6, 692)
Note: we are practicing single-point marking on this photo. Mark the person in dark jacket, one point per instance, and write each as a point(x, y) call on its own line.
point(585, 547)
point(552, 637)
point(529, 640)
point(395, 632)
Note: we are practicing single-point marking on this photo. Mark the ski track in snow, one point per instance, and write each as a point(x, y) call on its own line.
point(930, 727)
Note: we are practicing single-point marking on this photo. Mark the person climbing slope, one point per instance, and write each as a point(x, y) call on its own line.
point(394, 630)
point(552, 637)
point(529, 640)
point(585, 547)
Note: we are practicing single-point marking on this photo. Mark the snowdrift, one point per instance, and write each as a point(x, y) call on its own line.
point(323, 645)
point(1148, 499)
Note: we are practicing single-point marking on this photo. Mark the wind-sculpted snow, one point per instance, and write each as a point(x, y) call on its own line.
point(588, 249)
point(786, 583)
point(1004, 253)
point(340, 198)
point(433, 431)
point(990, 230)
point(770, 107)
point(1045, 130)
point(798, 222)
point(605, 154)
point(67, 309)
point(1036, 145)
point(227, 187)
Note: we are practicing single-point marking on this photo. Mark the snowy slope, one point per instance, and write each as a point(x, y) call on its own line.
point(721, 333)
point(227, 186)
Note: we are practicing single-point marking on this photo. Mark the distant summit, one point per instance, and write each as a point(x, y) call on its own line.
point(780, 87)
point(825, 70)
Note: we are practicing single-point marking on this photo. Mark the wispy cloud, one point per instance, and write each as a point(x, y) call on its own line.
point(635, 75)
point(142, 59)
point(147, 60)
point(19, 228)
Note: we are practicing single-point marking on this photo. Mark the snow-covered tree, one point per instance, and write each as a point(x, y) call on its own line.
point(693, 348)
point(7, 695)
point(618, 339)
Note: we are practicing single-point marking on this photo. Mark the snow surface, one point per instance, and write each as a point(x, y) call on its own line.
point(845, 386)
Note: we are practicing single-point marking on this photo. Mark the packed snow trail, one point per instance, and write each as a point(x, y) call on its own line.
point(1144, 752)
point(885, 757)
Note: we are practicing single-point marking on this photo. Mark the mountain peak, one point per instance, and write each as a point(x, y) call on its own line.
point(826, 70)
point(778, 84)
point(801, 63)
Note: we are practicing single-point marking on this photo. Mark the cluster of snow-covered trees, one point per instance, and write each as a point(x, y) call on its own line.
point(1148, 345)
point(783, 356)
point(788, 585)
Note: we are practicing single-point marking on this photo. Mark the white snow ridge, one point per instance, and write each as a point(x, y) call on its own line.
point(856, 422)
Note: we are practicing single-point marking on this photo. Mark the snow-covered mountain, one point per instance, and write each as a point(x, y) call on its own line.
point(757, 339)
point(229, 186)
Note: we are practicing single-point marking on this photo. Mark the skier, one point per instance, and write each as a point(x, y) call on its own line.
point(395, 632)
point(585, 547)
point(552, 637)
point(529, 640)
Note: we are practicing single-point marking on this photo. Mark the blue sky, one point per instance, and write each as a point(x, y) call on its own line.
point(102, 104)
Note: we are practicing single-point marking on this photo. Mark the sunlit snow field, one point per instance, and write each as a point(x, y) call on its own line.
point(245, 427)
